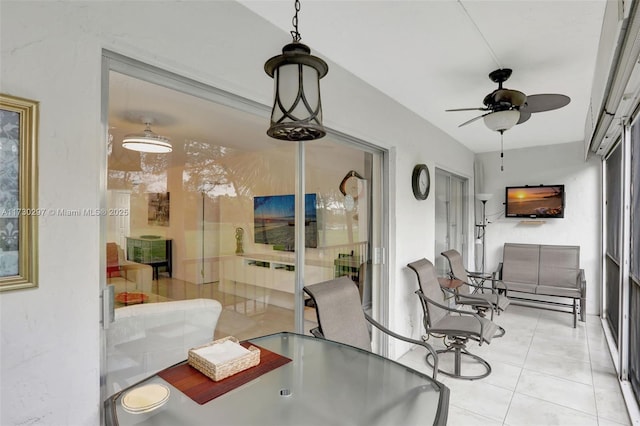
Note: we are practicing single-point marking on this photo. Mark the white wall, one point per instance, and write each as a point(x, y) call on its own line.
point(51, 52)
point(549, 165)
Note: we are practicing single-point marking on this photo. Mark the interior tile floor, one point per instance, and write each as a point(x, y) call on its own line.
point(544, 372)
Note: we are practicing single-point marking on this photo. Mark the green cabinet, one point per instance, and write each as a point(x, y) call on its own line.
point(156, 252)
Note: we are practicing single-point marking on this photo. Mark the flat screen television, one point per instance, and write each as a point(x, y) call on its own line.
point(543, 201)
point(274, 220)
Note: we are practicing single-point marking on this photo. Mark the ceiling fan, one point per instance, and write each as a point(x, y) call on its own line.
point(506, 107)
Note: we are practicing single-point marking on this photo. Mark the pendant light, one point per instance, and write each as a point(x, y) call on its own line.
point(147, 141)
point(297, 110)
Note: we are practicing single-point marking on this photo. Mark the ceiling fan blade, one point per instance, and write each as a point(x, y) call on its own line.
point(524, 116)
point(473, 119)
point(466, 109)
point(513, 97)
point(545, 102)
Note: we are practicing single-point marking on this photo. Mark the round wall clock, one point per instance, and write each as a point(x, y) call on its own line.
point(421, 182)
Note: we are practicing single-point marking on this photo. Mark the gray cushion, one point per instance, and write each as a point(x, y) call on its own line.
point(465, 325)
point(520, 263)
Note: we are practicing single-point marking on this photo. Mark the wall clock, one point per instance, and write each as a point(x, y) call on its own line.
point(420, 181)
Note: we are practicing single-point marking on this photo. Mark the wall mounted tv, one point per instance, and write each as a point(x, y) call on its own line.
point(543, 201)
point(274, 220)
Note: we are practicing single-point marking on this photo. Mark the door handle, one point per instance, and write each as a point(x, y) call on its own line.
point(108, 306)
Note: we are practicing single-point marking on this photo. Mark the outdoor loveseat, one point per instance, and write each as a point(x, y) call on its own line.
point(533, 272)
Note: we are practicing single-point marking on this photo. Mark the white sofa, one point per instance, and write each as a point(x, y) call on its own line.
point(146, 338)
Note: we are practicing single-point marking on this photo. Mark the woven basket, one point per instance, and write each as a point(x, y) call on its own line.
point(223, 370)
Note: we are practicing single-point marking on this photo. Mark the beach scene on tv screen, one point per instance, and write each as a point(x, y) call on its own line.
point(538, 201)
point(274, 220)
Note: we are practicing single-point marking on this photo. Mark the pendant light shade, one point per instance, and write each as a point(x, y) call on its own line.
point(297, 111)
point(147, 141)
point(500, 121)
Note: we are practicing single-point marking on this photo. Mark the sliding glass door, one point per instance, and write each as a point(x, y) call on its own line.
point(215, 218)
point(622, 257)
point(451, 217)
point(613, 226)
point(634, 262)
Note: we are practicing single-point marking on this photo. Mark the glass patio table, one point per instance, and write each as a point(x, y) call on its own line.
point(326, 383)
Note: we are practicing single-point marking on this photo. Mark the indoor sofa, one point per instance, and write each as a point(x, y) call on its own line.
point(149, 337)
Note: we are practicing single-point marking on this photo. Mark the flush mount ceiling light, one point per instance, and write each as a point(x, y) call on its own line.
point(297, 110)
point(500, 121)
point(147, 141)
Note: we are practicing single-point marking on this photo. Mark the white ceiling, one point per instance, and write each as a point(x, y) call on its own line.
point(427, 55)
point(436, 55)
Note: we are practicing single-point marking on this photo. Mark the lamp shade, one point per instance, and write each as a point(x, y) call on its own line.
point(500, 121)
point(297, 111)
point(147, 142)
point(484, 197)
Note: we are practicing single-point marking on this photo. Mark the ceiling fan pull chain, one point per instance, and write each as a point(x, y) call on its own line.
point(502, 151)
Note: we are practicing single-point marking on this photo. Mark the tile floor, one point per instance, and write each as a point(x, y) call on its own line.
point(544, 372)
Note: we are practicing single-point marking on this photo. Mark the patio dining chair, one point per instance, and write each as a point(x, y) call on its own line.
point(472, 292)
point(457, 326)
point(342, 319)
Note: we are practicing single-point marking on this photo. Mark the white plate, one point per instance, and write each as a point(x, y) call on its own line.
point(145, 398)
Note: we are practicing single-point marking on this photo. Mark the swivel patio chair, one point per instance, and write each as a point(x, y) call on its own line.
point(455, 325)
point(342, 319)
point(472, 292)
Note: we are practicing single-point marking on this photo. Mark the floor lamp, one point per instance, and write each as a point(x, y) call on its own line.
point(483, 198)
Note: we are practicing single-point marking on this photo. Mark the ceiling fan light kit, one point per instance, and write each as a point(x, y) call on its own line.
point(297, 111)
point(500, 121)
point(147, 141)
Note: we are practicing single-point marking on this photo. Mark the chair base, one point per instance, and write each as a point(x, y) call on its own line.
point(501, 331)
point(459, 350)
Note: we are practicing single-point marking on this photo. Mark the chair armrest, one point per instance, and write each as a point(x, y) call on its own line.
point(408, 340)
point(446, 308)
point(315, 332)
point(498, 272)
point(582, 282)
point(457, 311)
point(504, 287)
point(497, 276)
point(480, 300)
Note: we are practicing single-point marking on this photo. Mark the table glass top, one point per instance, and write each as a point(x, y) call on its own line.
point(326, 383)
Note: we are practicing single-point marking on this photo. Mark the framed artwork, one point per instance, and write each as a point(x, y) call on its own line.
point(158, 212)
point(18, 193)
